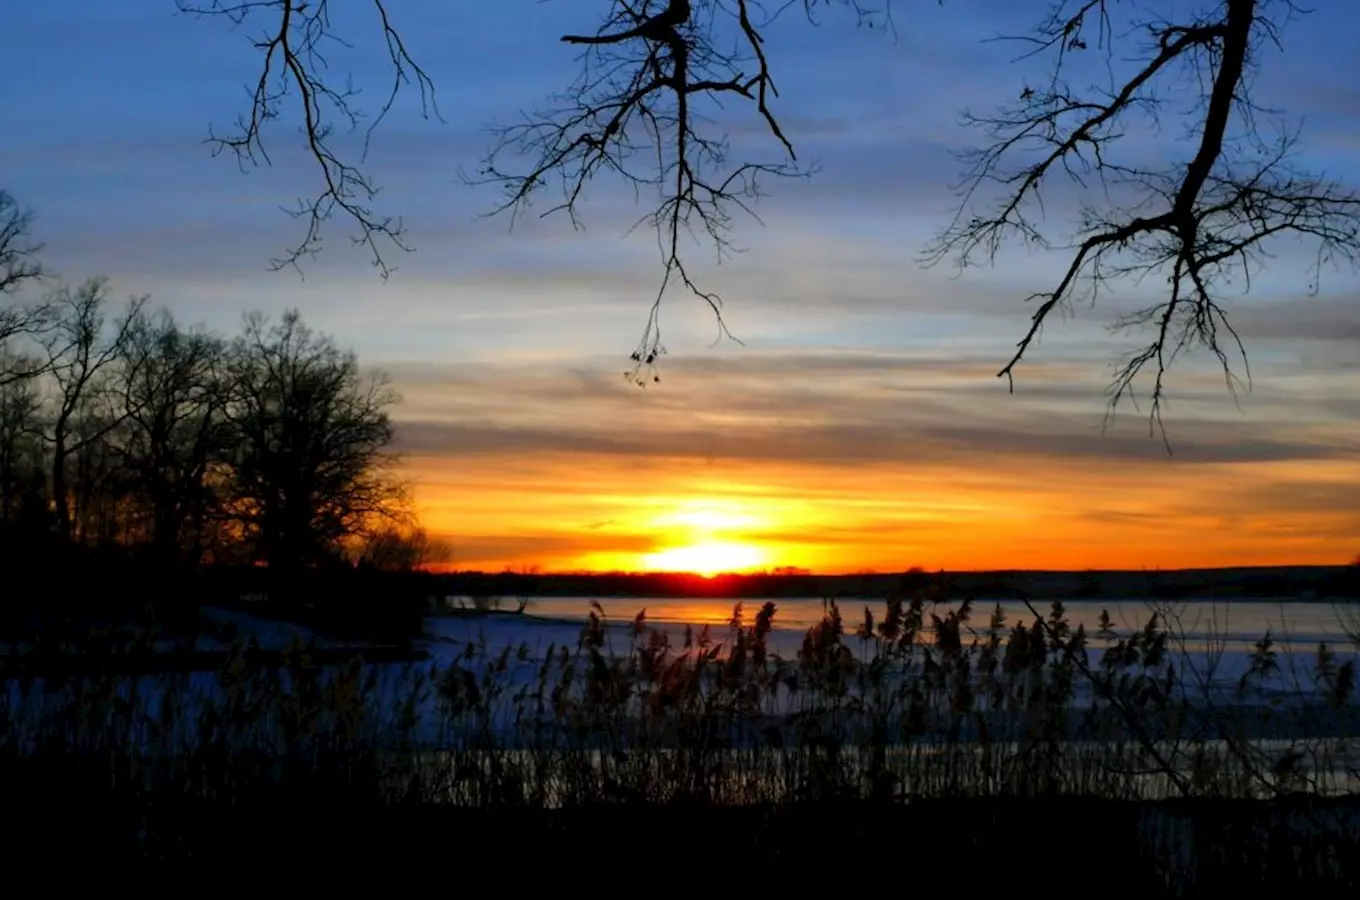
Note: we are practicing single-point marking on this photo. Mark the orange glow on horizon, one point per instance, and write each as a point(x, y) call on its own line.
point(707, 559)
point(699, 539)
point(579, 513)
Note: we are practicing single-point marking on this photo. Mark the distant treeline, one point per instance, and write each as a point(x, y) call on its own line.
point(1300, 582)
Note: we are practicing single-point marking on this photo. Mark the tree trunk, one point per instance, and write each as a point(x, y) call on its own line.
point(7, 486)
point(165, 525)
point(61, 508)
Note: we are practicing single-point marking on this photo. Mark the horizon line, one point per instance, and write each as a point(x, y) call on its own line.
point(797, 572)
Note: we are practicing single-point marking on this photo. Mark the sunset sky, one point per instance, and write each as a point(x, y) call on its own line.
point(861, 425)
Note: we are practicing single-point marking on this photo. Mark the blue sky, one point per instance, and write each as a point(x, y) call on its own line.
point(509, 346)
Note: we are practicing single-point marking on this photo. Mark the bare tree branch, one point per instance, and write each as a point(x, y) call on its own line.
point(639, 111)
point(18, 252)
point(1201, 223)
point(294, 68)
point(650, 77)
point(19, 267)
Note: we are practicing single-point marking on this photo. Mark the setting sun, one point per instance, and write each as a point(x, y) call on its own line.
point(707, 559)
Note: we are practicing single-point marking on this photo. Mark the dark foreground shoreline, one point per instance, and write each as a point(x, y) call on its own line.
point(1055, 846)
point(178, 662)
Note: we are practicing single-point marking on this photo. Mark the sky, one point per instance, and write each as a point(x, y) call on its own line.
point(858, 425)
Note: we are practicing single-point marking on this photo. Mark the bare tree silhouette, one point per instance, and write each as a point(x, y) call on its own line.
point(19, 262)
point(1202, 222)
point(180, 445)
point(19, 268)
point(639, 110)
point(171, 397)
point(293, 66)
point(80, 353)
point(312, 465)
point(651, 74)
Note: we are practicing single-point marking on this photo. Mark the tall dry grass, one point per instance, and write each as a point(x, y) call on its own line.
point(920, 701)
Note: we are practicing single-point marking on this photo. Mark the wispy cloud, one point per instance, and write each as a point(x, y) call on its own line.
point(882, 452)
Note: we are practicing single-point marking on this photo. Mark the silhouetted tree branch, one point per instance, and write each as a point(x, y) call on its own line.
point(18, 251)
point(1200, 222)
point(19, 266)
point(650, 77)
point(292, 45)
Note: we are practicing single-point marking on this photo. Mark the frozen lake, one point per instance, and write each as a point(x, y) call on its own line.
point(1211, 644)
point(1219, 633)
